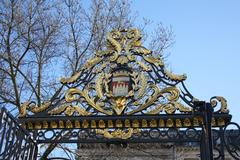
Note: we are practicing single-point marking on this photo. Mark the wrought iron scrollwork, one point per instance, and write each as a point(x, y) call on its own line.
point(15, 141)
point(125, 79)
point(232, 139)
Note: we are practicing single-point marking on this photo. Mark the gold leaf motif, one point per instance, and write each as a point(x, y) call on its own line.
point(173, 96)
point(112, 43)
point(85, 124)
point(181, 107)
point(141, 50)
point(127, 123)
point(175, 77)
point(77, 124)
point(45, 124)
point(92, 62)
point(37, 125)
point(58, 110)
point(157, 110)
point(169, 123)
point(144, 123)
point(119, 104)
point(195, 121)
point(214, 101)
point(122, 60)
point(110, 123)
point(70, 97)
point(169, 108)
point(161, 123)
point(69, 124)
point(221, 122)
point(93, 124)
point(153, 123)
point(143, 86)
point(101, 124)
point(178, 123)
point(119, 123)
point(69, 110)
point(99, 85)
point(153, 60)
point(118, 133)
point(71, 79)
point(33, 108)
point(53, 124)
point(135, 123)
point(143, 66)
point(187, 122)
point(61, 124)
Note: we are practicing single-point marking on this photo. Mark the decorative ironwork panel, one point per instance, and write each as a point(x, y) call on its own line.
point(15, 142)
point(232, 139)
point(126, 94)
point(124, 79)
point(127, 135)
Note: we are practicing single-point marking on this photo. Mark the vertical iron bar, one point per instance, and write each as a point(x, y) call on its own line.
point(207, 130)
point(206, 146)
point(7, 137)
point(221, 134)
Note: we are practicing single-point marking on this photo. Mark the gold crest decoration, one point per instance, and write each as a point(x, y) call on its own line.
point(124, 79)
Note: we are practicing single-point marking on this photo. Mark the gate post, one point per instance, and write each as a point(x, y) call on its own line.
point(206, 144)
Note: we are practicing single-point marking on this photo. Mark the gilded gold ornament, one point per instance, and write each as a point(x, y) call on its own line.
point(38, 125)
point(85, 124)
point(169, 123)
point(93, 124)
point(77, 124)
point(187, 122)
point(33, 108)
point(154, 61)
point(119, 123)
point(70, 97)
point(69, 124)
point(144, 123)
point(161, 123)
point(153, 123)
point(101, 124)
point(119, 104)
point(127, 123)
point(53, 124)
point(223, 102)
point(135, 123)
point(178, 123)
point(221, 122)
point(175, 77)
point(118, 133)
point(61, 124)
point(110, 124)
point(71, 79)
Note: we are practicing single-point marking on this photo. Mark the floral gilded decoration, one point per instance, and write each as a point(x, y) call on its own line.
point(124, 79)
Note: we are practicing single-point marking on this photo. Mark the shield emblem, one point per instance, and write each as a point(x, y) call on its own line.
point(120, 86)
point(120, 83)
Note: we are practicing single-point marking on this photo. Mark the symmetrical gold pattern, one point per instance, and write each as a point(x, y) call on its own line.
point(196, 121)
point(125, 79)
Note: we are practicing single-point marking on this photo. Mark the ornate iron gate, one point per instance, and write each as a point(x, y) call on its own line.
point(125, 94)
point(15, 142)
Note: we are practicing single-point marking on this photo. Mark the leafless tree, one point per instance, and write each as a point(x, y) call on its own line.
point(38, 37)
point(29, 43)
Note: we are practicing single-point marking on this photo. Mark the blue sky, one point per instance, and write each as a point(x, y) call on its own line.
point(207, 44)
